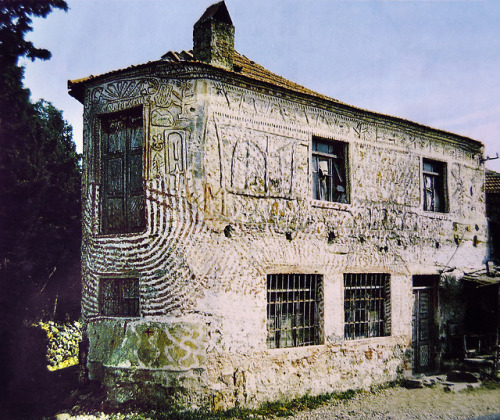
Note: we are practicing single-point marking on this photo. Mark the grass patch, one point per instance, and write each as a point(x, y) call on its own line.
point(267, 410)
point(490, 384)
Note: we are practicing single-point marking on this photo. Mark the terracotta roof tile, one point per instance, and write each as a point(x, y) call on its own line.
point(252, 70)
point(492, 185)
point(249, 68)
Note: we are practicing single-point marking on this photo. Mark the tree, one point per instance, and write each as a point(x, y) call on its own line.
point(39, 198)
point(15, 23)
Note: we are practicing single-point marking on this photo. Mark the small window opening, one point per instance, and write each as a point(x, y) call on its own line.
point(293, 307)
point(329, 170)
point(119, 297)
point(366, 305)
point(434, 181)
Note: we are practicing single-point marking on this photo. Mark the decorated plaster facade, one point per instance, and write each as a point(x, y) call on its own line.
point(227, 172)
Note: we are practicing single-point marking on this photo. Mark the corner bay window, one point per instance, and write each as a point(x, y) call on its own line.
point(434, 185)
point(119, 297)
point(293, 306)
point(329, 170)
point(367, 306)
point(122, 193)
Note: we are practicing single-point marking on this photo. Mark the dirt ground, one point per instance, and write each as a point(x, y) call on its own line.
point(425, 403)
point(61, 398)
point(393, 403)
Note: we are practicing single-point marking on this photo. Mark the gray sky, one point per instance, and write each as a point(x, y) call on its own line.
point(433, 62)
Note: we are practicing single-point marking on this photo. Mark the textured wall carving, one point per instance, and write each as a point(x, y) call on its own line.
point(149, 345)
point(228, 199)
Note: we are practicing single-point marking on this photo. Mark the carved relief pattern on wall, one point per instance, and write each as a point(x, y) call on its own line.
point(255, 150)
point(123, 93)
point(301, 120)
point(171, 116)
point(257, 163)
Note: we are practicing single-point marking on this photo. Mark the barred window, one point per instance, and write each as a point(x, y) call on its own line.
point(293, 306)
point(434, 181)
point(367, 305)
point(119, 297)
point(329, 170)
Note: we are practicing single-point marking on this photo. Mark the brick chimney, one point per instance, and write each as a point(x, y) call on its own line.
point(213, 37)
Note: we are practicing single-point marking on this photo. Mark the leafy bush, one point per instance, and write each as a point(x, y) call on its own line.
point(63, 341)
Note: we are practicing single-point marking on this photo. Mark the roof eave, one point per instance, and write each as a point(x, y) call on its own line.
point(77, 90)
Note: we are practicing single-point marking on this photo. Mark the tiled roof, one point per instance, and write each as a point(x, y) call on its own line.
point(249, 68)
point(492, 185)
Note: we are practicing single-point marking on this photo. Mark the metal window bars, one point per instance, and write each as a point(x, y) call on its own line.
point(293, 305)
point(119, 297)
point(366, 305)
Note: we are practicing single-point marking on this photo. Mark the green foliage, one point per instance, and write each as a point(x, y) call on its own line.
point(39, 181)
point(15, 23)
point(267, 410)
point(63, 343)
point(39, 213)
point(491, 384)
point(39, 203)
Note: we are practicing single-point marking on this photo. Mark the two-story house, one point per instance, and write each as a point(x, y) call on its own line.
point(247, 239)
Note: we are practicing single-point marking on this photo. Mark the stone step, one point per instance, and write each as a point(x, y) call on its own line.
point(462, 376)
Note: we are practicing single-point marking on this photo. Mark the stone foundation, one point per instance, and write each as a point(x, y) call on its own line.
point(176, 363)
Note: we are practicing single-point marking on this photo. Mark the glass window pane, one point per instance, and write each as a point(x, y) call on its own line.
point(329, 171)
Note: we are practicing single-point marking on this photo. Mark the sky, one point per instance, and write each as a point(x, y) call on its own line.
point(435, 62)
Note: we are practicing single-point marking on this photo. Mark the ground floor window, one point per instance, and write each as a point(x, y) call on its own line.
point(119, 297)
point(367, 307)
point(293, 310)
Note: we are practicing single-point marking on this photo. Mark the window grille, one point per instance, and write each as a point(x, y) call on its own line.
point(119, 297)
point(293, 305)
point(434, 181)
point(366, 305)
point(123, 208)
point(329, 170)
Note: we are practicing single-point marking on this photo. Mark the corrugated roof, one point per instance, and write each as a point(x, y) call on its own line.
point(492, 185)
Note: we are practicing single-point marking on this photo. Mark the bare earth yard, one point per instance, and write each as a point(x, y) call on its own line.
point(392, 403)
point(401, 403)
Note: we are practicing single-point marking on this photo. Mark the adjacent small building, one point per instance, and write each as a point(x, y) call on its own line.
point(246, 239)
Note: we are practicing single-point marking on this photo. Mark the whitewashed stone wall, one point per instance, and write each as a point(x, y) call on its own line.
point(227, 170)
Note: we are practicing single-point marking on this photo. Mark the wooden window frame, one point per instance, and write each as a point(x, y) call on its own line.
point(294, 303)
point(125, 301)
point(122, 198)
point(330, 170)
point(434, 186)
point(367, 305)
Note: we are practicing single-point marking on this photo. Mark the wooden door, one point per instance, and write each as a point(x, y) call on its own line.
point(423, 324)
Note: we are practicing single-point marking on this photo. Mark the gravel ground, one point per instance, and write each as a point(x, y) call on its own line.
point(401, 403)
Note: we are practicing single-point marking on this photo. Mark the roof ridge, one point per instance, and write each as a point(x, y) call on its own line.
point(250, 68)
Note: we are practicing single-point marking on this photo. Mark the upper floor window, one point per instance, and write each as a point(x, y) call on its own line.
point(367, 305)
point(122, 193)
point(329, 168)
point(293, 308)
point(434, 185)
point(119, 297)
